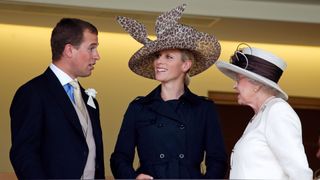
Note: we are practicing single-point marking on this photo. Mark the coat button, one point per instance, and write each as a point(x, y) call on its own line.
point(181, 126)
point(161, 156)
point(160, 125)
point(181, 156)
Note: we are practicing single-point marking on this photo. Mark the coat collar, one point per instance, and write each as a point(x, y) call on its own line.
point(154, 103)
point(186, 96)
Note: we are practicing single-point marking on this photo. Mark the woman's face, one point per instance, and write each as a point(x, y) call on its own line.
point(246, 90)
point(169, 67)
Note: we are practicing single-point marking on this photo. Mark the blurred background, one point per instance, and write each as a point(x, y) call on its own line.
point(288, 28)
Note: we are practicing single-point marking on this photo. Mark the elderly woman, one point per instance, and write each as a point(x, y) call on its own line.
point(271, 145)
point(172, 128)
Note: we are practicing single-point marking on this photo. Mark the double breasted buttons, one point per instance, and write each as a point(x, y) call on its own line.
point(181, 156)
point(181, 126)
point(161, 156)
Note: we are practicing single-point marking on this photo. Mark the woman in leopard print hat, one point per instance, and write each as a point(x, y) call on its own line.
point(172, 128)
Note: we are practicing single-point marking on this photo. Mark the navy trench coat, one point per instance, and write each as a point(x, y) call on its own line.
point(171, 138)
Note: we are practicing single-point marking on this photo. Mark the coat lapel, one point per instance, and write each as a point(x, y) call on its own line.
point(155, 104)
point(57, 91)
point(91, 110)
point(85, 98)
point(93, 113)
point(166, 111)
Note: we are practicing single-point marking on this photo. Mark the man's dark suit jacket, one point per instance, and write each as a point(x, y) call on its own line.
point(47, 138)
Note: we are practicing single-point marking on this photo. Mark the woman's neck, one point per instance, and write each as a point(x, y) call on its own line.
point(171, 91)
point(261, 101)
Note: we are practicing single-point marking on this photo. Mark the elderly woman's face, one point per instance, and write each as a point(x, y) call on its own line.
point(246, 90)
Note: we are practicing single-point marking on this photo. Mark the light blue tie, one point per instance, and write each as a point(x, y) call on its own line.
point(69, 89)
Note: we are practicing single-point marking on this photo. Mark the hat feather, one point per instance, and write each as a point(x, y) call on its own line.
point(168, 20)
point(134, 28)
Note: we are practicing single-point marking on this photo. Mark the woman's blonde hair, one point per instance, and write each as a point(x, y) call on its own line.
point(187, 55)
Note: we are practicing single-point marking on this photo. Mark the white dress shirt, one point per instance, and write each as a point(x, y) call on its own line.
point(63, 77)
point(271, 146)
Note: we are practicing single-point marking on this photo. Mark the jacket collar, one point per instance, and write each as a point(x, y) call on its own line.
point(155, 95)
point(56, 89)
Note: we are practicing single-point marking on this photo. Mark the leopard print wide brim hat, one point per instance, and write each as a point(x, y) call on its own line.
point(170, 35)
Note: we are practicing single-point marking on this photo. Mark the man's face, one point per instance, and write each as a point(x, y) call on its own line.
point(85, 55)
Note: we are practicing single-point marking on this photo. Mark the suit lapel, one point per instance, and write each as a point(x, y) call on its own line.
point(93, 113)
point(85, 98)
point(57, 91)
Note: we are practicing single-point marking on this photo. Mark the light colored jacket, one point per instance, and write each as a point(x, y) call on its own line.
point(271, 146)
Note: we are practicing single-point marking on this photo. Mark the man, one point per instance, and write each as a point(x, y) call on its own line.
point(55, 126)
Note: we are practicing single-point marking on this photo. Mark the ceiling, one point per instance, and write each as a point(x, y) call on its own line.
point(280, 10)
point(312, 2)
point(267, 21)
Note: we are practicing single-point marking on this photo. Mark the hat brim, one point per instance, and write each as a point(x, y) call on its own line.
point(205, 48)
point(231, 71)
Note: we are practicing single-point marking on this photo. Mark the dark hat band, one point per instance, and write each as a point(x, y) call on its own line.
point(257, 65)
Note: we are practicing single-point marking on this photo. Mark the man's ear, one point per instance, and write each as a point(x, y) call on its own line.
point(67, 52)
point(186, 65)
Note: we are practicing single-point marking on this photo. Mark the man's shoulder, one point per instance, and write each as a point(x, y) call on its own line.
point(35, 81)
point(33, 85)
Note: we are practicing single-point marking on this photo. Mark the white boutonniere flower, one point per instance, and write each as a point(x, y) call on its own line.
point(92, 93)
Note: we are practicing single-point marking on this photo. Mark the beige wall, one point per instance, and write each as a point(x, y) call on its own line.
point(25, 53)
